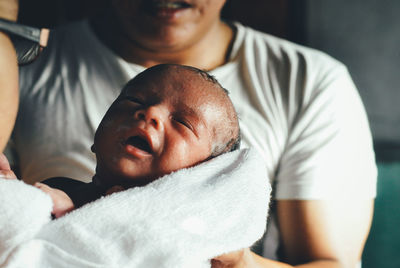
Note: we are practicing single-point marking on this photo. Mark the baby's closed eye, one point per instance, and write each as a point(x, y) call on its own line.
point(183, 121)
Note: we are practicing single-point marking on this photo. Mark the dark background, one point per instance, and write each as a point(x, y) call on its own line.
point(363, 34)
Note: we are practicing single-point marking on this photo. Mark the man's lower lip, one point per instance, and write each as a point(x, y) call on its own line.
point(166, 13)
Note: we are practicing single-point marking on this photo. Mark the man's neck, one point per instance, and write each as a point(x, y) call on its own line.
point(211, 51)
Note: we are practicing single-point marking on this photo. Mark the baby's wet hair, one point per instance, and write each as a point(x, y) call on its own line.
point(233, 143)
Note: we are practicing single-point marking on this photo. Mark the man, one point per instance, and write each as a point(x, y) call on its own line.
point(298, 107)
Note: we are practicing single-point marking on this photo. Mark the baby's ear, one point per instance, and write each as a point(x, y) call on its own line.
point(93, 148)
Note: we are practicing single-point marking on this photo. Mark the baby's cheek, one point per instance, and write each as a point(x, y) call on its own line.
point(110, 127)
point(171, 160)
point(190, 154)
point(122, 127)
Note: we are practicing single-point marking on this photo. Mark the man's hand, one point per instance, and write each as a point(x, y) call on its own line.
point(62, 203)
point(115, 189)
point(5, 170)
point(236, 259)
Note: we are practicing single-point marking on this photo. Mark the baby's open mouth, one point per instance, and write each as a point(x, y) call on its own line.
point(140, 143)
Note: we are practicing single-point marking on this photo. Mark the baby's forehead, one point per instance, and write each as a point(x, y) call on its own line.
point(174, 81)
point(172, 75)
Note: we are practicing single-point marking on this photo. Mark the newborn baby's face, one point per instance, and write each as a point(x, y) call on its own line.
point(165, 121)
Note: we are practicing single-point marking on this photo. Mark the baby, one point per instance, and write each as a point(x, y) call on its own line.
point(166, 118)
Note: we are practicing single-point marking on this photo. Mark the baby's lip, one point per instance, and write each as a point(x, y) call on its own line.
point(141, 141)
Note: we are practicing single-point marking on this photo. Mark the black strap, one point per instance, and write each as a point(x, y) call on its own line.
point(27, 32)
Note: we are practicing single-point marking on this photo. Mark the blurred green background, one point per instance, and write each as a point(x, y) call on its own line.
point(383, 244)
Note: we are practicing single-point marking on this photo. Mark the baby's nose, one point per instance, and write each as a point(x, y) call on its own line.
point(151, 115)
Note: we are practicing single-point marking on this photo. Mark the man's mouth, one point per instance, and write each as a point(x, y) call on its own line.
point(165, 7)
point(140, 143)
point(172, 5)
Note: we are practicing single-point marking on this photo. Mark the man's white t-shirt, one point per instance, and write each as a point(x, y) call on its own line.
point(297, 106)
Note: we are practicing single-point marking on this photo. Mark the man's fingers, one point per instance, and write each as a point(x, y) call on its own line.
point(5, 170)
point(45, 188)
point(217, 264)
point(7, 174)
point(4, 164)
point(115, 189)
point(234, 259)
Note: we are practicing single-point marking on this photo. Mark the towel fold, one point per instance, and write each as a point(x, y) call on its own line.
point(183, 219)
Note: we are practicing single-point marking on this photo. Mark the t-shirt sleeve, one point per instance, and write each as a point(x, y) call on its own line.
point(329, 152)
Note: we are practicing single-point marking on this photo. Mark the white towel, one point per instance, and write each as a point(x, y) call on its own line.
point(183, 219)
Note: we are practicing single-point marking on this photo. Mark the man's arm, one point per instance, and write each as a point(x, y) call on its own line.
point(9, 94)
point(326, 234)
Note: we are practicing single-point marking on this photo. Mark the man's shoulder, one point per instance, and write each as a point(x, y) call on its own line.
point(278, 51)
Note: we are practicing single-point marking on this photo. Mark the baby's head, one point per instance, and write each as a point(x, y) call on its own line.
point(167, 118)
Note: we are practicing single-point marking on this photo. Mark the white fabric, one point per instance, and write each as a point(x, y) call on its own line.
point(180, 220)
point(298, 107)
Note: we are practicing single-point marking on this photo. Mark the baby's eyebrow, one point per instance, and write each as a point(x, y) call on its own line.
point(136, 97)
point(187, 110)
point(132, 98)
